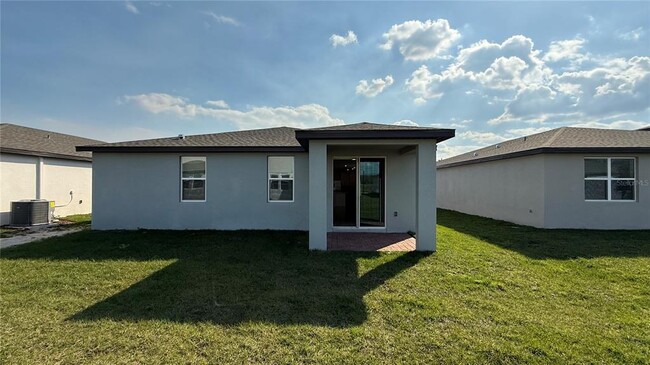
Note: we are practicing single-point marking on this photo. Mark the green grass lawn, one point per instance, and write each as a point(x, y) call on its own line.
point(493, 293)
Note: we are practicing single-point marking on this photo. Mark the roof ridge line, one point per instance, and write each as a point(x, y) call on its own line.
point(550, 141)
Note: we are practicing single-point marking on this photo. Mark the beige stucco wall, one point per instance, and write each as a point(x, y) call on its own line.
point(60, 177)
point(19, 177)
point(17, 181)
point(510, 190)
point(567, 208)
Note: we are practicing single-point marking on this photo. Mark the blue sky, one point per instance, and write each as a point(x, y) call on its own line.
point(491, 70)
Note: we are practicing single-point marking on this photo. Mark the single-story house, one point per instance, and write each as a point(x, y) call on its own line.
point(352, 178)
point(38, 164)
point(562, 178)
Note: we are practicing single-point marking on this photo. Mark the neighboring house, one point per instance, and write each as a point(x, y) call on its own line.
point(562, 178)
point(38, 164)
point(361, 178)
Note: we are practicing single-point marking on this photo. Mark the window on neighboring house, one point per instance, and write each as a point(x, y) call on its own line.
point(280, 173)
point(611, 178)
point(193, 176)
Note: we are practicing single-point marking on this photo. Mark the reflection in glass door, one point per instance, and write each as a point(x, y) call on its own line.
point(371, 192)
point(345, 193)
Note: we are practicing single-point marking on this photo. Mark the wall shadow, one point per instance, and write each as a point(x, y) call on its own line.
point(562, 244)
point(228, 277)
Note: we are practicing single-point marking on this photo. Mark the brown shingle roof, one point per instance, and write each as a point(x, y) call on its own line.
point(560, 140)
point(260, 140)
point(37, 142)
point(365, 126)
point(270, 137)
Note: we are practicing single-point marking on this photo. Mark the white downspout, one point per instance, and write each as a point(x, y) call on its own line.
point(39, 178)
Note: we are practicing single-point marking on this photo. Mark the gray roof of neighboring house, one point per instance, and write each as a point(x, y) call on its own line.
point(37, 142)
point(560, 140)
point(280, 139)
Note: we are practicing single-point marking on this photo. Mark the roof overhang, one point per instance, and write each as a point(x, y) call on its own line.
point(189, 149)
point(17, 151)
point(305, 135)
point(549, 150)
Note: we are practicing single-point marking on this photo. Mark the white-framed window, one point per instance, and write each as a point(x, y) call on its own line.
point(280, 176)
point(610, 179)
point(193, 178)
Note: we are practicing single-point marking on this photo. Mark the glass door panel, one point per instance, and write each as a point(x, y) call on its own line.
point(371, 192)
point(345, 193)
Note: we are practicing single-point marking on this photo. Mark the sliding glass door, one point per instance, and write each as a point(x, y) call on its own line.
point(371, 192)
point(359, 192)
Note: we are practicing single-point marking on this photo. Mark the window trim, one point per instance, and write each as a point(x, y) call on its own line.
point(609, 179)
point(205, 179)
point(269, 179)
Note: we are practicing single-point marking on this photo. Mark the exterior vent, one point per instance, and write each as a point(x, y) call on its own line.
point(475, 154)
point(180, 136)
point(30, 212)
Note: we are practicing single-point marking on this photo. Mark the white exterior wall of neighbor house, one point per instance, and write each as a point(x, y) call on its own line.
point(142, 190)
point(510, 189)
point(30, 177)
point(565, 202)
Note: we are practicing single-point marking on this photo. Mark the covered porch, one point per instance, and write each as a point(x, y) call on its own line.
point(368, 187)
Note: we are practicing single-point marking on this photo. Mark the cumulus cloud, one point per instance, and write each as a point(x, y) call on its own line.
point(221, 19)
point(131, 8)
point(510, 65)
point(420, 41)
point(221, 104)
point(513, 73)
point(374, 87)
point(303, 116)
point(406, 122)
point(536, 103)
point(339, 40)
point(569, 49)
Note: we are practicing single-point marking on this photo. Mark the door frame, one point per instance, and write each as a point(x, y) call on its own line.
point(358, 195)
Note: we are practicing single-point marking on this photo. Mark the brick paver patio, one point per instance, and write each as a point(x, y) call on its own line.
point(344, 241)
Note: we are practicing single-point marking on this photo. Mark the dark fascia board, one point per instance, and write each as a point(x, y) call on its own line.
point(187, 149)
point(550, 150)
point(16, 151)
point(438, 134)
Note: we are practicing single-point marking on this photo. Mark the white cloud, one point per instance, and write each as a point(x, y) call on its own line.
point(619, 124)
point(131, 8)
point(569, 49)
point(520, 132)
point(406, 122)
point(510, 65)
point(303, 116)
point(535, 104)
point(420, 41)
point(445, 150)
point(633, 35)
point(339, 40)
point(374, 87)
point(221, 104)
point(481, 138)
point(222, 19)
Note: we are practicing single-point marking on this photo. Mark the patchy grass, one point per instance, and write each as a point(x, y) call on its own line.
point(77, 219)
point(493, 293)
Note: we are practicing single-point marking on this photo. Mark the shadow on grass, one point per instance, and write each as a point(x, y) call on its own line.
point(228, 277)
point(549, 243)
